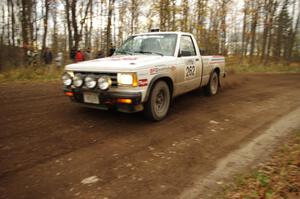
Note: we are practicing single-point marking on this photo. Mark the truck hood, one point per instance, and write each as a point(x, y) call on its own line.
point(119, 63)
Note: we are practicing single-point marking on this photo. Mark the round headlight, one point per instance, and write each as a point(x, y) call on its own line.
point(104, 82)
point(90, 82)
point(67, 79)
point(77, 80)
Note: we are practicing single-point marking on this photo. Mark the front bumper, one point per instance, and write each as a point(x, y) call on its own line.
point(108, 100)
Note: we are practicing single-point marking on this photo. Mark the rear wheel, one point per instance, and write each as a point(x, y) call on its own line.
point(212, 87)
point(158, 104)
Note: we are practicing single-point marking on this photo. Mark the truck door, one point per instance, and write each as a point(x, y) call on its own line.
point(189, 74)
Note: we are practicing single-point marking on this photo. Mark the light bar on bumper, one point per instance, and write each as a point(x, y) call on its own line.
point(102, 81)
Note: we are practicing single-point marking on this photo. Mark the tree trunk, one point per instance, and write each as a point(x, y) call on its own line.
point(253, 29)
point(91, 25)
point(30, 22)
point(280, 31)
point(47, 2)
point(293, 34)
point(13, 23)
point(270, 34)
point(266, 28)
point(244, 47)
point(185, 14)
point(82, 21)
point(122, 14)
point(224, 6)
point(70, 37)
point(54, 36)
point(3, 27)
point(8, 23)
point(108, 29)
point(134, 11)
point(76, 36)
point(27, 24)
point(161, 7)
point(173, 15)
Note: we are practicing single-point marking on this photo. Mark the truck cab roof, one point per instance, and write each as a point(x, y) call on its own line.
point(156, 33)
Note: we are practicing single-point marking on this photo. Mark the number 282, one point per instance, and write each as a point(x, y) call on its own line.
point(190, 71)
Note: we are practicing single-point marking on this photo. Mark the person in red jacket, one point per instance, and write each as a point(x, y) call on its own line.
point(79, 56)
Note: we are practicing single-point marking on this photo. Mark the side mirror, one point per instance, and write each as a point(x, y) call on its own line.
point(202, 51)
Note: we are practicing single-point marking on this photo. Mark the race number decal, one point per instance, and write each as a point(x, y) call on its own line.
point(190, 72)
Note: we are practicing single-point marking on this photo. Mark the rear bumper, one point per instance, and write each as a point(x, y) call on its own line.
point(109, 100)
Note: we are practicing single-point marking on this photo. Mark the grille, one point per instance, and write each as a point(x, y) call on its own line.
point(113, 76)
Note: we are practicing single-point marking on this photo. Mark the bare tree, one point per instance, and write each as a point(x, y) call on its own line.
point(254, 10)
point(13, 21)
point(47, 5)
point(223, 15)
point(26, 20)
point(76, 36)
point(122, 15)
point(70, 32)
point(108, 28)
point(292, 33)
point(184, 15)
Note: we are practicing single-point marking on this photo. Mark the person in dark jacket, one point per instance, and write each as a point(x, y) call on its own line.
point(111, 50)
point(47, 56)
point(100, 54)
point(73, 54)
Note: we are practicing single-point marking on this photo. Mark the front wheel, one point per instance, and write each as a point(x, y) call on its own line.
point(158, 104)
point(212, 87)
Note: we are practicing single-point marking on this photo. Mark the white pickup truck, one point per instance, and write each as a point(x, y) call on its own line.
point(144, 74)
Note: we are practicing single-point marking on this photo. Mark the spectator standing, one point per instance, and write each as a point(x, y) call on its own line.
point(88, 54)
point(111, 50)
point(79, 56)
point(59, 60)
point(100, 54)
point(34, 57)
point(29, 55)
point(47, 56)
point(73, 54)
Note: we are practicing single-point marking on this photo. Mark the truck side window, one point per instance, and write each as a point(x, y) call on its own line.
point(187, 47)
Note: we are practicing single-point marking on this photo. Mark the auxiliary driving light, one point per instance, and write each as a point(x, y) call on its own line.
point(90, 82)
point(77, 80)
point(67, 79)
point(104, 82)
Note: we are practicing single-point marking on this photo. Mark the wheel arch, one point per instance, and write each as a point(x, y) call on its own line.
point(157, 78)
point(218, 71)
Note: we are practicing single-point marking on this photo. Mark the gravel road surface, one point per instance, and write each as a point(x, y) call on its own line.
point(52, 148)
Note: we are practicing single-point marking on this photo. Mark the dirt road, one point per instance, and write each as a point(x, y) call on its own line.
point(48, 146)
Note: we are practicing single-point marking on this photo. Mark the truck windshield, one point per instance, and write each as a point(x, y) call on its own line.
point(157, 44)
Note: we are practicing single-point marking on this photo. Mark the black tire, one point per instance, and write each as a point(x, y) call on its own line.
point(212, 87)
point(158, 104)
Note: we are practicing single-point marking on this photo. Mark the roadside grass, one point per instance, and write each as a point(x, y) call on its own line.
point(234, 65)
point(31, 73)
point(277, 178)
